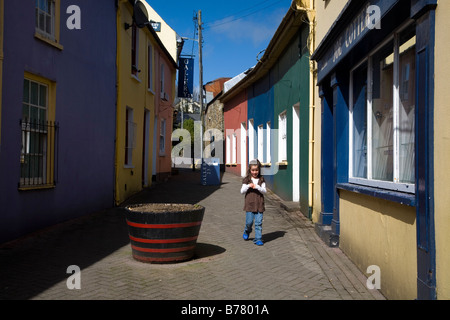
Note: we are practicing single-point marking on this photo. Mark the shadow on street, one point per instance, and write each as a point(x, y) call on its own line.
point(32, 264)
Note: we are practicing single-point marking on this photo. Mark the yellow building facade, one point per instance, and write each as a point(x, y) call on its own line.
point(442, 151)
point(381, 218)
point(144, 66)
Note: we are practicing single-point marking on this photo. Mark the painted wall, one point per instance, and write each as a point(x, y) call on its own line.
point(235, 113)
point(84, 108)
point(327, 12)
point(292, 84)
point(167, 35)
point(442, 151)
point(260, 110)
point(133, 92)
point(164, 110)
point(382, 233)
point(373, 231)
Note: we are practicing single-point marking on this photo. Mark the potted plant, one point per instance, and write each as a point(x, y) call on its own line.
point(162, 232)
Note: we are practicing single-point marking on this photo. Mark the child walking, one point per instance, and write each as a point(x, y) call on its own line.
point(254, 188)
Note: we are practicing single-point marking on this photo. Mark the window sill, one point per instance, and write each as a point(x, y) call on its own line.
point(35, 188)
point(51, 42)
point(266, 164)
point(282, 163)
point(395, 196)
point(135, 77)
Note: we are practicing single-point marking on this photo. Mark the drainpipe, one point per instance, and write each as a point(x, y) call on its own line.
point(308, 7)
point(313, 73)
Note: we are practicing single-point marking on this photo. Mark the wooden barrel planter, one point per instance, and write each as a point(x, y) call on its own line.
point(164, 233)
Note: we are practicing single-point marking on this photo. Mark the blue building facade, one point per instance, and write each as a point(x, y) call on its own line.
point(376, 71)
point(58, 112)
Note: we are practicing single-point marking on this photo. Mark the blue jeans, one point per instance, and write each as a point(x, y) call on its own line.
point(258, 218)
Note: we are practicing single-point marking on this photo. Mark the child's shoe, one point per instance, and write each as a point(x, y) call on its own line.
point(259, 243)
point(245, 236)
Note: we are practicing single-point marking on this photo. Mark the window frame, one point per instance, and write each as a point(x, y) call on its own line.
point(47, 133)
point(395, 184)
point(53, 37)
point(162, 137)
point(268, 143)
point(162, 81)
point(150, 68)
point(52, 14)
point(261, 143)
point(234, 148)
point(251, 139)
point(282, 137)
point(135, 51)
point(228, 150)
point(130, 137)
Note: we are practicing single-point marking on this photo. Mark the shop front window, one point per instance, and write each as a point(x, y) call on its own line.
point(382, 115)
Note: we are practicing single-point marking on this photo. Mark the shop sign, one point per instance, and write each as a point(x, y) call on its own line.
point(368, 18)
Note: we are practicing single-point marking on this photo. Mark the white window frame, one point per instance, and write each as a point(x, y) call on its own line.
point(52, 16)
point(282, 137)
point(228, 146)
point(261, 143)
point(251, 140)
point(268, 143)
point(234, 148)
point(395, 185)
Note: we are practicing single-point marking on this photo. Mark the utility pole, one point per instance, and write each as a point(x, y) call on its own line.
point(200, 44)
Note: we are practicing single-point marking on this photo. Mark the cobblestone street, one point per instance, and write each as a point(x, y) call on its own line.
point(293, 264)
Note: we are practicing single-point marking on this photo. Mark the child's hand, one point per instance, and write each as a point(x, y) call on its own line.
point(251, 185)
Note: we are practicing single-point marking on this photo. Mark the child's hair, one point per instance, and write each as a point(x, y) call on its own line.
point(248, 177)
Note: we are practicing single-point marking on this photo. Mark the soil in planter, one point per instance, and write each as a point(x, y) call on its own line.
point(163, 207)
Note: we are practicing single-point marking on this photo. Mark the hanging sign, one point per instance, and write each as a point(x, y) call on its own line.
point(156, 26)
point(186, 78)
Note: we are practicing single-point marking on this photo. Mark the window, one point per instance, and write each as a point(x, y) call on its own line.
point(162, 81)
point(282, 137)
point(150, 68)
point(45, 18)
point(268, 132)
point(233, 148)
point(134, 50)
point(228, 146)
point(39, 134)
point(261, 143)
point(162, 137)
point(130, 137)
point(251, 140)
point(382, 116)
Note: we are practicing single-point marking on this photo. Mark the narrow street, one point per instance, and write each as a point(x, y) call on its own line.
point(293, 264)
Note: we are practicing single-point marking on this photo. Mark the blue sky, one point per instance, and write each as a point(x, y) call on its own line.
point(235, 31)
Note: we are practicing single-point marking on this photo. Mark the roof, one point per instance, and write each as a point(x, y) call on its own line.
point(287, 28)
